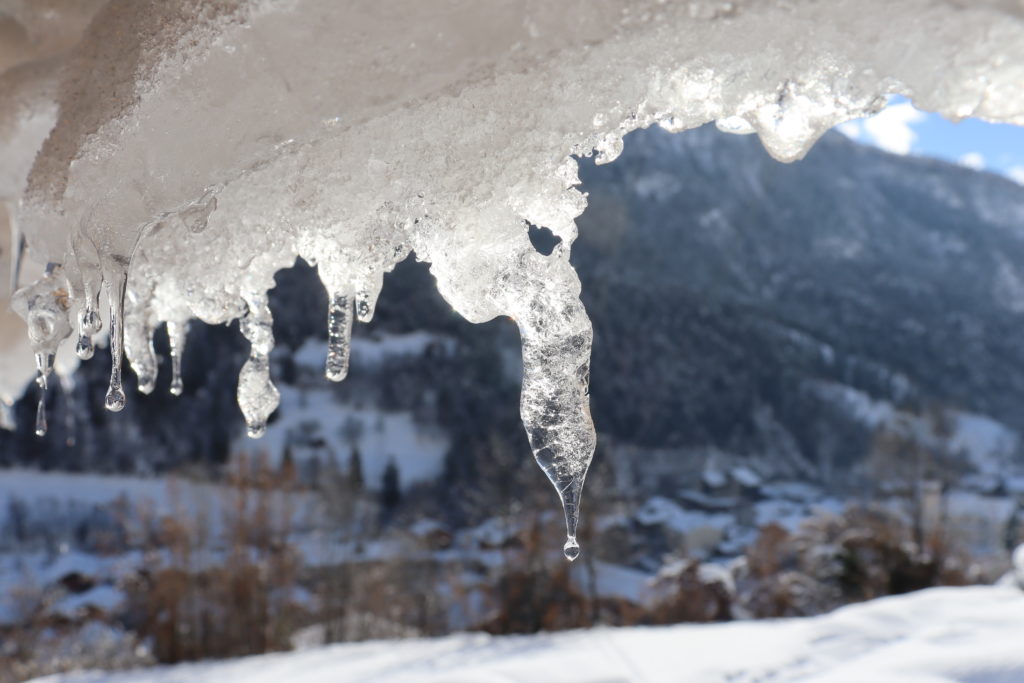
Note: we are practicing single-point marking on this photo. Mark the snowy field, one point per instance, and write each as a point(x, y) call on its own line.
point(948, 634)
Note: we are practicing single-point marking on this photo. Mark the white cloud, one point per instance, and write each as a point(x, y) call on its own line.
point(851, 129)
point(891, 129)
point(972, 160)
point(1016, 173)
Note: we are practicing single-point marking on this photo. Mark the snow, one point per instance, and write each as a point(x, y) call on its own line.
point(615, 581)
point(988, 445)
point(659, 511)
point(941, 635)
point(67, 488)
point(787, 514)
point(417, 449)
point(796, 491)
point(21, 575)
point(373, 351)
point(979, 522)
point(746, 477)
point(104, 598)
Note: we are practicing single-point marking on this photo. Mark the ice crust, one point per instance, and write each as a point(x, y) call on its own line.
point(192, 149)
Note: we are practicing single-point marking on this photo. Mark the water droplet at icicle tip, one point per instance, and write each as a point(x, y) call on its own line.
point(41, 416)
point(147, 383)
point(84, 348)
point(177, 386)
point(571, 549)
point(115, 400)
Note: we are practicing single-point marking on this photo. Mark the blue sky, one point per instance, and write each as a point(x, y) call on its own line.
point(902, 129)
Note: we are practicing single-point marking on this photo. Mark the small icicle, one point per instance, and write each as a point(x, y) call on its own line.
point(366, 297)
point(257, 395)
point(364, 306)
point(41, 425)
point(339, 336)
point(18, 247)
point(147, 367)
point(89, 324)
point(176, 334)
point(7, 420)
point(138, 340)
point(44, 365)
point(115, 400)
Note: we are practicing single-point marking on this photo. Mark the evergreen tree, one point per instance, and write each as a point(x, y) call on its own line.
point(390, 492)
point(355, 471)
point(288, 471)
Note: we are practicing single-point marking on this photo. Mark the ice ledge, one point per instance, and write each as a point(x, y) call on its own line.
point(197, 148)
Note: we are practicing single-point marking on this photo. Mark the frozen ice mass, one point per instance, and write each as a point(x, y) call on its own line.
point(161, 160)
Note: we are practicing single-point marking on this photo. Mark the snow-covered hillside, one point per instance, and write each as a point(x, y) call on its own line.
point(949, 634)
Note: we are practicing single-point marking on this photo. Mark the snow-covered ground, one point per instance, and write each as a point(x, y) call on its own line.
point(311, 421)
point(947, 634)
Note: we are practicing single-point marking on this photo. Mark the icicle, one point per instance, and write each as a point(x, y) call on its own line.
point(86, 280)
point(44, 306)
point(18, 246)
point(177, 332)
point(138, 339)
point(366, 297)
point(115, 400)
point(257, 395)
point(7, 420)
point(365, 305)
point(143, 360)
point(44, 365)
point(557, 336)
point(89, 322)
point(339, 336)
point(41, 425)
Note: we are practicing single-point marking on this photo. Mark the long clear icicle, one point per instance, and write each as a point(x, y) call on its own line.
point(555, 405)
point(339, 336)
point(257, 395)
point(115, 399)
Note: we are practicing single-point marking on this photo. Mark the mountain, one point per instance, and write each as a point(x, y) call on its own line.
point(728, 291)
